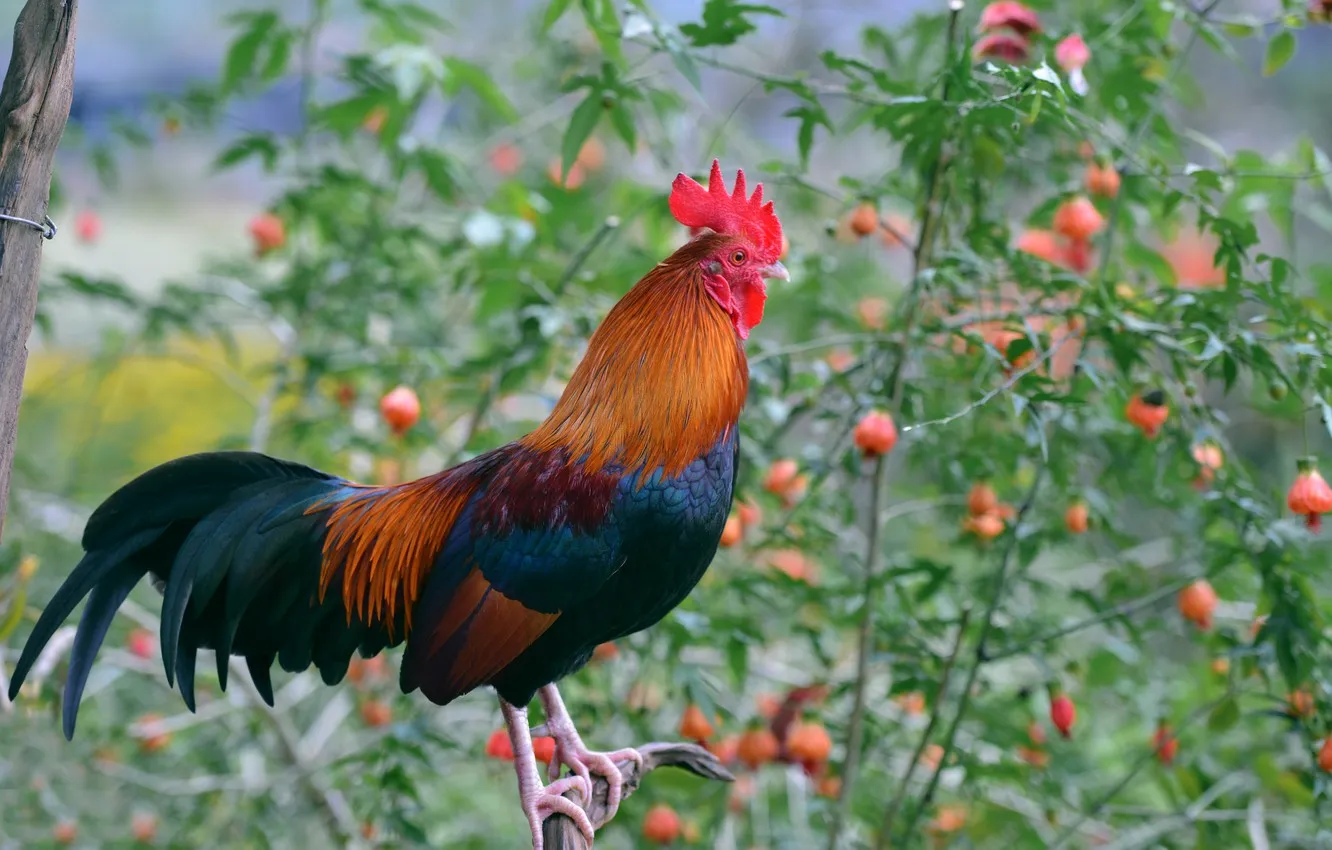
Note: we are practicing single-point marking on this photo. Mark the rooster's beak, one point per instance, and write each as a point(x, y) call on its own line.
point(776, 270)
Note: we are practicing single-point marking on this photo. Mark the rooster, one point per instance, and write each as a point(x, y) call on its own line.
point(507, 570)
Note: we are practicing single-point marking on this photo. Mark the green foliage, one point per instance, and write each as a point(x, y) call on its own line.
point(427, 242)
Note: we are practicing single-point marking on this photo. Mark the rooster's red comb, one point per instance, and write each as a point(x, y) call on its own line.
point(729, 213)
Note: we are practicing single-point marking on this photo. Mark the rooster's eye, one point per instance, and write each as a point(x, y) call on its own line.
point(738, 257)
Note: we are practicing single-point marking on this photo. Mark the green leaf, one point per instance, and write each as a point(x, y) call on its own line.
point(474, 77)
point(1280, 50)
point(581, 124)
point(1224, 716)
point(554, 12)
point(622, 119)
point(684, 63)
point(279, 56)
point(261, 145)
point(725, 22)
point(244, 51)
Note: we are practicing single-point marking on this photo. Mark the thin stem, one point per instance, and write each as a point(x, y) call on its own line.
point(1143, 760)
point(931, 210)
point(865, 646)
point(987, 623)
point(890, 812)
point(1122, 610)
point(579, 259)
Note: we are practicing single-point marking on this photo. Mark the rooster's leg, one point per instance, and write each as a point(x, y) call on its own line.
point(571, 751)
point(541, 801)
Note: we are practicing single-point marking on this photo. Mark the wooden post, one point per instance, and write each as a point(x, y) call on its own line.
point(34, 105)
point(561, 834)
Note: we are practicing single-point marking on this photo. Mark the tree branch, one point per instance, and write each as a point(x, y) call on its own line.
point(34, 105)
point(560, 832)
point(987, 622)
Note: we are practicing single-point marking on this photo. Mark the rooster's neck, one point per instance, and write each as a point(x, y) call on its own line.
point(664, 377)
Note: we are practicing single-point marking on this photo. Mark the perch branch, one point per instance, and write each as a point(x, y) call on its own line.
point(34, 105)
point(560, 832)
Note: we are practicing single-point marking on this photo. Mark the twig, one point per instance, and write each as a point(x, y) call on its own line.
point(1121, 610)
point(5, 705)
point(987, 622)
point(50, 656)
point(580, 259)
point(1143, 760)
point(890, 812)
point(560, 832)
point(865, 646)
point(994, 393)
point(921, 256)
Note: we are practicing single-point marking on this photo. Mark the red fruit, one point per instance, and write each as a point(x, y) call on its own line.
point(829, 787)
point(757, 747)
point(987, 526)
point(794, 563)
point(732, 532)
point(1075, 518)
point(368, 830)
point(839, 360)
point(749, 513)
point(1035, 733)
point(1011, 48)
point(875, 434)
point(808, 743)
point(981, 499)
point(605, 652)
point(400, 408)
point(1309, 495)
point(1102, 180)
point(1197, 601)
point(88, 226)
point(143, 827)
point(544, 749)
point(727, 750)
point(1325, 755)
point(1063, 714)
point(1148, 411)
point(268, 233)
point(781, 476)
point(948, 819)
point(864, 219)
point(1072, 53)
point(1007, 14)
point(1165, 744)
point(694, 725)
point(1041, 243)
point(142, 643)
point(65, 832)
point(571, 181)
point(1300, 703)
point(376, 714)
point(661, 825)
point(768, 705)
point(1077, 219)
point(498, 745)
point(872, 312)
point(346, 394)
point(912, 703)
point(152, 738)
point(592, 155)
point(1033, 756)
point(506, 159)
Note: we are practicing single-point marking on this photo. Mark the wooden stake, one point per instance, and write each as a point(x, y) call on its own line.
point(34, 105)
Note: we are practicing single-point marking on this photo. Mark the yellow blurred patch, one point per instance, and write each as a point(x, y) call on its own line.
point(187, 398)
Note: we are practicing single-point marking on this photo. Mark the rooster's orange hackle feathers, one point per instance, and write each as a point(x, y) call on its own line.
point(662, 376)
